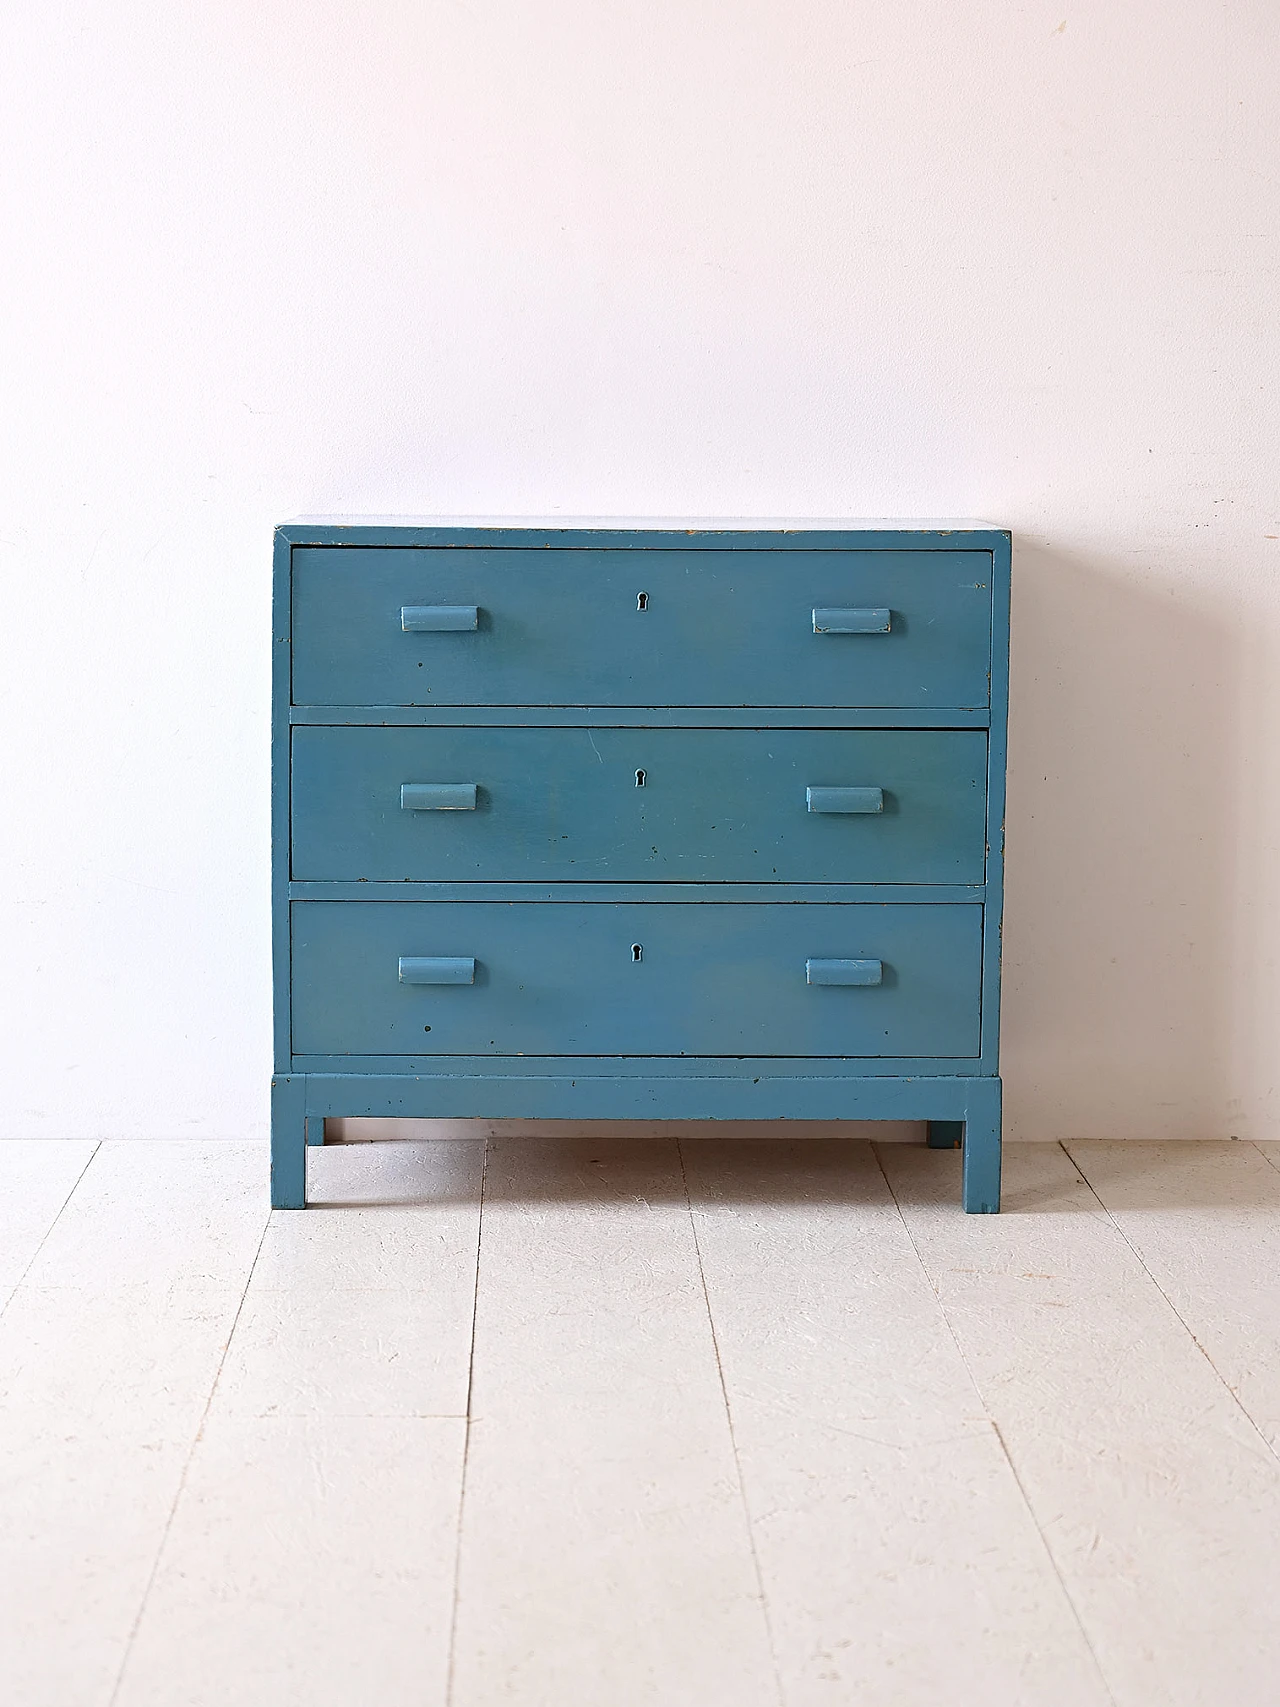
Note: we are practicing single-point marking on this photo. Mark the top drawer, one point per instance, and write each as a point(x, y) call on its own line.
point(385, 625)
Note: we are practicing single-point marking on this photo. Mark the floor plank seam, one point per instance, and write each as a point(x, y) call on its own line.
point(466, 1435)
point(1181, 1319)
point(733, 1439)
point(1265, 1152)
point(186, 1470)
point(75, 1186)
point(1067, 1596)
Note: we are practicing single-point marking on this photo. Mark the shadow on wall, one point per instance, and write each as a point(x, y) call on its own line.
point(1122, 825)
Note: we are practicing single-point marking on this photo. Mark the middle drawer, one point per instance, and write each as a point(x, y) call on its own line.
point(636, 805)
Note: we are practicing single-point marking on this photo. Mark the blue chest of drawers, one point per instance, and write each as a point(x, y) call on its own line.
point(651, 822)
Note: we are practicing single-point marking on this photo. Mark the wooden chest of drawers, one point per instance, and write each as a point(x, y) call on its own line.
point(654, 822)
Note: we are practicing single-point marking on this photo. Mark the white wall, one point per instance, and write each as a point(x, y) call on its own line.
point(789, 257)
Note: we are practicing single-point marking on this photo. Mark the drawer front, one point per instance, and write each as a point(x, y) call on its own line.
point(480, 626)
point(658, 978)
point(630, 805)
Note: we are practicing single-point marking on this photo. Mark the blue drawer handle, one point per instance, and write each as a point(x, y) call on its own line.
point(845, 799)
point(844, 971)
point(438, 797)
point(851, 621)
point(439, 619)
point(436, 969)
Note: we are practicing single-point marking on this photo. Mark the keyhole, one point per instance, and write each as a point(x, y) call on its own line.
point(637, 953)
point(639, 779)
point(642, 602)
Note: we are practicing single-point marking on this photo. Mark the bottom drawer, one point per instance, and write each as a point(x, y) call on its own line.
point(647, 978)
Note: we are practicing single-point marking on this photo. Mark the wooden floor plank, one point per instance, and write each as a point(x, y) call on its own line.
point(37, 1176)
point(311, 1564)
point(899, 1559)
point(182, 1216)
point(1111, 1345)
point(109, 1350)
point(1204, 1219)
point(605, 1554)
point(312, 1552)
point(1156, 1496)
point(389, 1241)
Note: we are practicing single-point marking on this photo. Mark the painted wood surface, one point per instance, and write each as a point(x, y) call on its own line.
point(641, 717)
point(708, 894)
point(742, 1426)
point(1204, 1221)
point(638, 533)
point(642, 1088)
point(1158, 1499)
point(626, 1559)
point(714, 806)
point(856, 1417)
point(563, 979)
point(321, 1497)
point(563, 627)
point(109, 1350)
point(527, 721)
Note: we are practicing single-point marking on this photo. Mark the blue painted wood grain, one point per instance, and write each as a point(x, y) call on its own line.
point(997, 753)
point(555, 1091)
point(560, 979)
point(686, 534)
point(288, 1141)
point(718, 805)
point(439, 619)
point(627, 634)
point(437, 969)
point(434, 796)
point(648, 716)
point(902, 1068)
point(834, 973)
point(562, 627)
point(981, 1143)
point(879, 621)
point(927, 894)
point(844, 800)
point(281, 791)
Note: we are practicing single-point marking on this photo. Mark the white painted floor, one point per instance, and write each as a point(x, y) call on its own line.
point(568, 1422)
